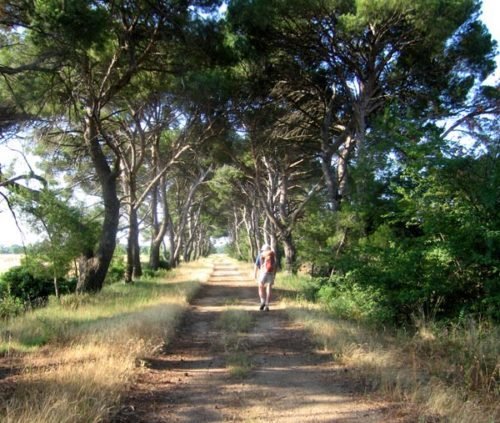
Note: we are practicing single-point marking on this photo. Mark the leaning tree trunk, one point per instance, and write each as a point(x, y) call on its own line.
point(249, 221)
point(93, 265)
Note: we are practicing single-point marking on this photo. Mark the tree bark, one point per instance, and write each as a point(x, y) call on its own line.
point(154, 248)
point(93, 266)
point(290, 253)
point(134, 268)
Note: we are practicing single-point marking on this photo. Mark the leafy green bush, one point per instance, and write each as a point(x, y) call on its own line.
point(23, 284)
point(10, 306)
point(353, 301)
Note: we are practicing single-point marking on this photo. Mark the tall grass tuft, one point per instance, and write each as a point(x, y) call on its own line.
point(233, 324)
point(80, 354)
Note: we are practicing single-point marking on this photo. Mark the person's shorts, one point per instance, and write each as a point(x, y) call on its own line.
point(266, 278)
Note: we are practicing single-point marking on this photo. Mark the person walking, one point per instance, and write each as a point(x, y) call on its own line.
point(264, 274)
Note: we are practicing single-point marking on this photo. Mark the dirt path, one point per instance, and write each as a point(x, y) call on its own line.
point(289, 380)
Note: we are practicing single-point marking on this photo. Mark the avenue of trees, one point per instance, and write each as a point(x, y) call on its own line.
point(357, 137)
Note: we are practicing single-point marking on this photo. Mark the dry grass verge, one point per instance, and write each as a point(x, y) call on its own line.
point(449, 374)
point(79, 356)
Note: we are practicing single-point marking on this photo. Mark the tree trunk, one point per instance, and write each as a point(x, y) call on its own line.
point(134, 268)
point(330, 181)
point(249, 221)
point(171, 244)
point(289, 254)
point(236, 235)
point(154, 255)
point(154, 248)
point(344, 156)
point(56, 287)
point(93, 266)
point(159, 230)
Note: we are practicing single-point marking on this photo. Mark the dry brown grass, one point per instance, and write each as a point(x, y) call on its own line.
point(421, 370)
point(81, 378)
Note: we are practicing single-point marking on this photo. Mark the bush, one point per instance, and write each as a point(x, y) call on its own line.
point(349, 300)
point(21, 283)
point(32, 288)
point(10, 306)
point(67, 286)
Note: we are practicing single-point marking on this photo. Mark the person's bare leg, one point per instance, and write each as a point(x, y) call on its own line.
point(262, 295)
point(268, 295)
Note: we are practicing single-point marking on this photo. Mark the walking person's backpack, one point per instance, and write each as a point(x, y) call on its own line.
point(268, 261)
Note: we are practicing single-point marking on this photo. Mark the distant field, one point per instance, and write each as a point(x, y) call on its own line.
point(9, 260)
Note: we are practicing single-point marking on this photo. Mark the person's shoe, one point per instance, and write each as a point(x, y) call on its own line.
point(262, 306)
point(266, 308)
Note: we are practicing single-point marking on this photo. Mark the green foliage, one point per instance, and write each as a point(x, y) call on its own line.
point(31, 285)
point(20, 282)
point(342, 297)
point(425, 240)
point(348, 299)
point(323, 235)
point(223, 181)
point(10, 306)
point(66, 233)
point(116, 271)
point(75, 23)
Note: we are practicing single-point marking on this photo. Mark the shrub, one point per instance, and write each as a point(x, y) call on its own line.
point(28, 287)
point(67, 286)
point(32, 288)
point(10, 306)
point(349, 300)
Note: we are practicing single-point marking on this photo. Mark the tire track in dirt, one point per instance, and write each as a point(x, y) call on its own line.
point(290, 381)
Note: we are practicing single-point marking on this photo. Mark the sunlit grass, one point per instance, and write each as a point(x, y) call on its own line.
point(85, 350)
point(452, 372)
